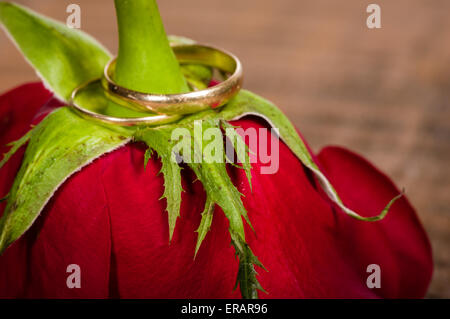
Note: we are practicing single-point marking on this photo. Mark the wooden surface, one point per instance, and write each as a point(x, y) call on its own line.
point(383, 93)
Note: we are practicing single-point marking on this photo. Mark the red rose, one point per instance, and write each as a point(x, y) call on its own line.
point(108, 219)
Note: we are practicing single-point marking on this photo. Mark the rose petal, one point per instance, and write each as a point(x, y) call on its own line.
point(109, 220)
point(398, 243)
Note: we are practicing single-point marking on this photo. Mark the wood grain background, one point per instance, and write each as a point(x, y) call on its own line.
point(383, 93)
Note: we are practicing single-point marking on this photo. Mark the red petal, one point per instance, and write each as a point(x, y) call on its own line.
point(109, 220)
point(398, 243)
point(74, 228)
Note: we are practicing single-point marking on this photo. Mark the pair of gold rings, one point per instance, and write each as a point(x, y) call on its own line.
point(169, 107)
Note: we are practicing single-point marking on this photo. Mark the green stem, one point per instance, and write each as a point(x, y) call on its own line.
point(145, 62)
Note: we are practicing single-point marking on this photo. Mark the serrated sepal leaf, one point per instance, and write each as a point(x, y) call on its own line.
point(215, 180)
point(246, 278)
point(217, 183)
point(205, 223)
point(241, 149)
point(159, 140)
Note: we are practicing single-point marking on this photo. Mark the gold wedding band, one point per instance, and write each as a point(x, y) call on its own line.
point(184, 103)
point(123, 121)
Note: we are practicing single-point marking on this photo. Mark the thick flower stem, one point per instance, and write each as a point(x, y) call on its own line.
point(145, 62)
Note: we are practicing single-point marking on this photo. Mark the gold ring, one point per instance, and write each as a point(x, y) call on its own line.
point(156, 119)
point(184, 103)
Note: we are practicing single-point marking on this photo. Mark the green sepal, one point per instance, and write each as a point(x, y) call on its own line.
point(64, 58)
point(215, 180)
point(60, 145)
point(217, 183)
point(220, 190)
point(205, 223)
point(159, 141)
point(147, 156)
point(241, 149)
point(246, 277)
point(247, 103)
